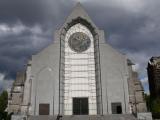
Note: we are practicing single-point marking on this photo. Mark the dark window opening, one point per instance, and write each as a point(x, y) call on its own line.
point(116, 108)
point(80, 106)
point(43, 109)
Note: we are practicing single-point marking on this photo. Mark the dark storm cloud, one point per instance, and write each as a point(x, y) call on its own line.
point(27, 26)
point(28, 11)
point(133, 31)
point(20, 20)
point(11, 11)
point(129, 31)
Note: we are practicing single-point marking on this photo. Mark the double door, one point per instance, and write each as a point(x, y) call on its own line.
point(80, 106)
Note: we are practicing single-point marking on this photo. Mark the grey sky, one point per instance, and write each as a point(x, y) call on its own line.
point(27, 26)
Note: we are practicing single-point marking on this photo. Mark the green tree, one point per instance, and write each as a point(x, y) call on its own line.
point(156, 106)
point(3, 101)
point(148, 101)
point(153, 105)
point(3, 105)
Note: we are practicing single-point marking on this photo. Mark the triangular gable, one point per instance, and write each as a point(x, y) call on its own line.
point(79, 12)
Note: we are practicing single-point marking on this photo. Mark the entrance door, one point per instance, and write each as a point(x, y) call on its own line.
point(80, 106)
point(43, 109)
point(116, 108)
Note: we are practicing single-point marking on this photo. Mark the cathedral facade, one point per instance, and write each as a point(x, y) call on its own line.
point(79, 74)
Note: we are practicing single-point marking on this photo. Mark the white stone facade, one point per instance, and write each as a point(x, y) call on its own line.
point(79, 74)
point(57, 74)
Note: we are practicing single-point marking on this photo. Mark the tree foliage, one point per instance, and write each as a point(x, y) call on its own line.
point(153, 105)
point(3, 105)
point(3, 101)
point(148, 102)
point(156, 106)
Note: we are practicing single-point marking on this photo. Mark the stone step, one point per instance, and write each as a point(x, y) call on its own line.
point(86, 117)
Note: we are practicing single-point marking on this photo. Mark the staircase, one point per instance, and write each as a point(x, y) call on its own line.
point(86, 117)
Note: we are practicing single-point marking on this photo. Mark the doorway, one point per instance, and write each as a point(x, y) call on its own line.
point(43, 109)
point(116, 108)
point(80, 106)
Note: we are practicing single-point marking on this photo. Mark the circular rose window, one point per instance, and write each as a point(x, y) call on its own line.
point(79, 42)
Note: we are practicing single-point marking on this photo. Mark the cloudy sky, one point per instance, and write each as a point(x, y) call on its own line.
point(27, 26)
